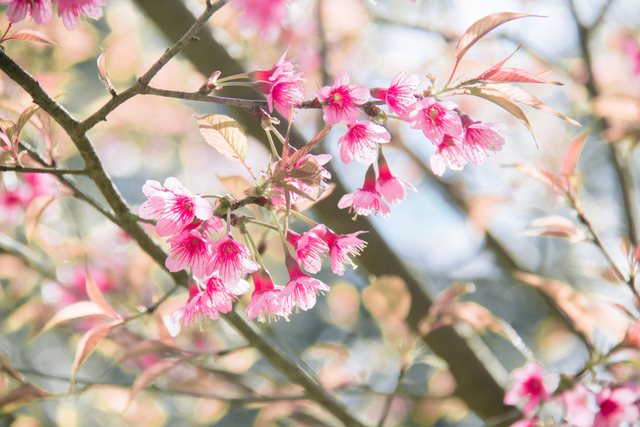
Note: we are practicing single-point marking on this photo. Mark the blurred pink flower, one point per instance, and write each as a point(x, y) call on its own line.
point(449, 154)
point(480, 138)
point(265, 16)
point(174, 206)
point(633, 52)
point(265, 300)
point(361, 141)
point(301, 289)
point(341, 246)
point(190, 248)
point(230, 259)
point(309, 247)
point(40, 10)
point(616, 407)
point(344, 99)
point(436, 119)
point(13, 202)
point(532, 383)
point(391, 187)
point(366, 200)
point(198, 306)
point(577, 404)
point(71, 10)
point(399, 97)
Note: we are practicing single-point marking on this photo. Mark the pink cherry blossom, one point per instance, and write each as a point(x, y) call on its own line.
point(301, 290)
point(174, 206)
point(265, 16)
point(340, 247)
point(361, 141)
point(230, 259)
point(449, 154)
point(578, 412)
point(71, 10)
point(531, 383)
point(310, 248)
point(436, 119)
point(265, 300)
point(198, 306)
point(220, 296)
point(40, 10)
point(283, 88)
point(279, 70)
point(189, 248)
point(480, 138)
point(390, 186)
point(616, 407)
point(399, 97)
point(344, 99)
point(633, 53)
point(366, 200)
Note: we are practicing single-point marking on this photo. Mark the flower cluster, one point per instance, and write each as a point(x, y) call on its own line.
point(41, 10)
point(592, 405)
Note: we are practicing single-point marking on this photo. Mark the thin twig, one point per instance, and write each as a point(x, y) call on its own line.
point(51, 171)
point(389, 399)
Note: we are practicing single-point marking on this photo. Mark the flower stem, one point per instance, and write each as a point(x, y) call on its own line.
point(282, 236)
point(252, 245)
point(304, 218)
point(273, 147)
point(233, 77)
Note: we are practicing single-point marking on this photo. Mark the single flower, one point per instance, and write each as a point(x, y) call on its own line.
point(265, 300)
point(341, 246)
point(301, 290)
point(400, 95)
point(366, 200)
point(230, 259)
point(361, 141)
point(40, 10)
point(309, 248)
point(480, 138)
point(533, 384)
point(71, 10)
point(436, 119)
point(342, 99)
point(390, 186)
point(448, 154)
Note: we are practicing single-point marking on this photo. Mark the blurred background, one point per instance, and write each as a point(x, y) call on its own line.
point(467, 227)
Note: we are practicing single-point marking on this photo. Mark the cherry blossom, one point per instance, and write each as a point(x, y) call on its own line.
point(283, 88)
point(633, 53)
point(366, 200)
point(344, 99)
point(399, 96)
point(189, 248)
point(480, 138)
point(265, 300)
point(230, 259)
point(616, 406)
point(309, 247)
point(390, 186)
point(71, 10)
point(449, 154)
point(301, 289)
point(532, 383)
point(40, 10)
point(578, 406)
point(198, 306)
point(436, 119)
point(340, 247)
point(361, 141)
point(265, 16)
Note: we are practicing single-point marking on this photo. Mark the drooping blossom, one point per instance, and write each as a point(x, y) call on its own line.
point(436, 119)
point(366, 200)
point(480, 138)
point(219, 295)
point(309, 247)
point(301, 290)
point(390, 186)
point(189, 248)
point(282, 68)
point(40, 10)
point(361, 141)
point(449, 154)
point(282, 86)
point(71, 10)
point(400, 95)
point(533, 384)
point(265, 300)
point(340, 247)
point(616, 406)
point(263, 16)
point(174, 206)
point(579, 406)
point(198, 306)
point(343, 98)
point(230, 259)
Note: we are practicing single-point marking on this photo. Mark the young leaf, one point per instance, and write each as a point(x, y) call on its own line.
point(224, 134)
point(512, 75)
point(25, 116)
point(524, 97)
point(21, 395)
point(536, 173)
point(96, 296)
point(310, 145)
point(9, 369)
point(504, 101)
point(480, 28)
point(572, 154)
point(104, 74)
point(74, 311)
point(34, 212)
point(89, 342)
point(149, 375)
point(33, 36)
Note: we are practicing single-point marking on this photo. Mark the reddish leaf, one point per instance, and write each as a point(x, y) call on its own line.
point(74, 311)
point(89, 342)
point(480, 28)
point(224, 134)
point(536, 173)
point(571, 155)
point(9, 369)
point(18, 109)
point(149, 376)
point(34, 212)
point(512, 75)
point(475, 315)
point(555, 221)
point(33, 36)
point(310, 145)
point(524, 97)
point(96, 296)
point(25, 116)
point(21, 395)
point(104, 74)
point(500, 98)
